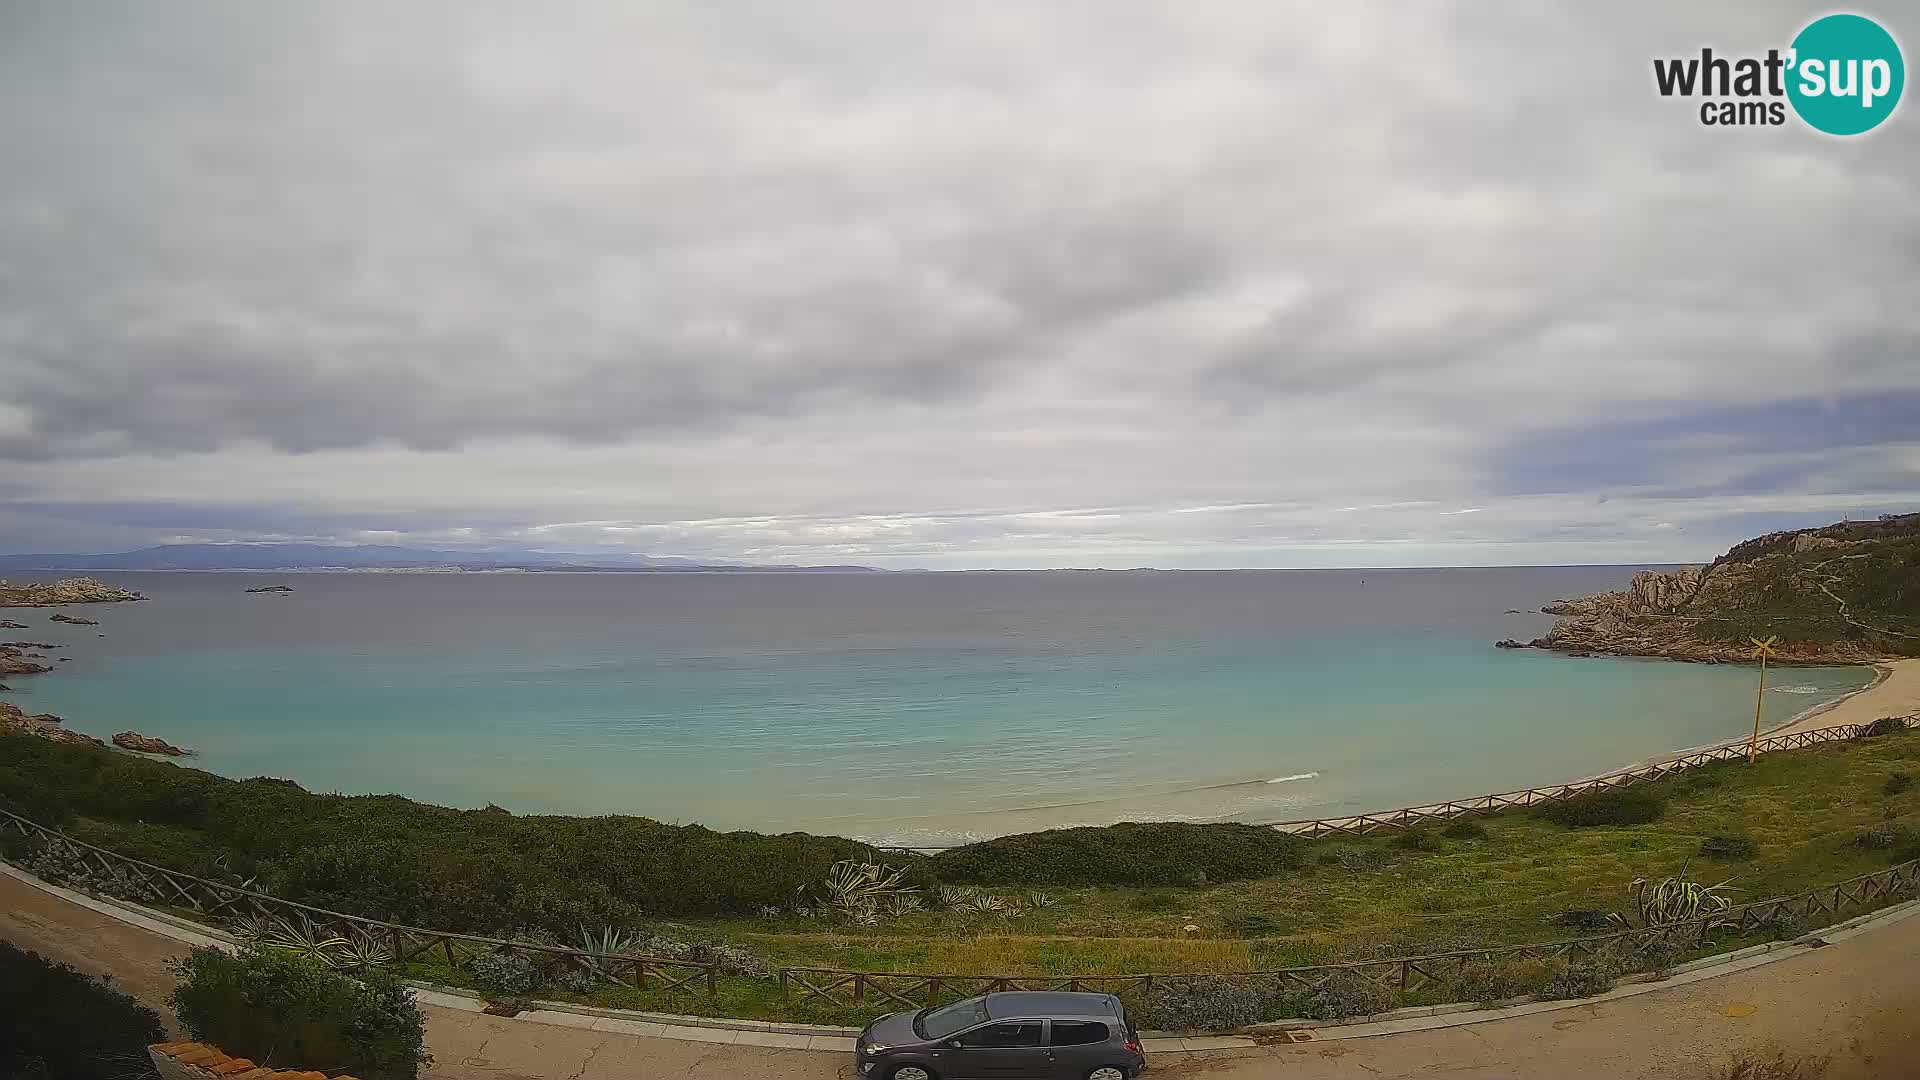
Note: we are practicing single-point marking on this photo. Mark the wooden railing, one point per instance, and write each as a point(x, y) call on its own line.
point(1408, 817)
point(131, 879)
point(1623, 950)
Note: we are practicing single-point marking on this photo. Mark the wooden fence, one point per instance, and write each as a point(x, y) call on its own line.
point(1623, 950)
point(1413, 816)
point(384, 942)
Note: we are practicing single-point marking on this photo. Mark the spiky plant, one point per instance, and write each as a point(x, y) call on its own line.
point(1676, 900)
point(607, 941)
point(851, 884)
point(1038, 900)
point(299, 935)
point(903, 904)
point(361, 952)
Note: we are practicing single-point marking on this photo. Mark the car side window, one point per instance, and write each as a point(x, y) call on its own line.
point(1078, 1032)
point(1013, 1034)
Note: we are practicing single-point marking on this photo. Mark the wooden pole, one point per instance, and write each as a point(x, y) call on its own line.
point(1759, 697)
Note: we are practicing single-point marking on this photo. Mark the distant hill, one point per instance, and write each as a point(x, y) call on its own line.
point(1842, 593)
point(380, 557)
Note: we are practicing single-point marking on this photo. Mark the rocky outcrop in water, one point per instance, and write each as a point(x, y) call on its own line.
point(9, 624)
point(272, 588)
point(13, 661)
point(1833, 595)
point(147, 744)
point(74, 620)
point(44, 725)
point(80, 590)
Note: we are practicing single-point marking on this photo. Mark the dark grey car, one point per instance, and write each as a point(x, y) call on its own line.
point(1047, 1036)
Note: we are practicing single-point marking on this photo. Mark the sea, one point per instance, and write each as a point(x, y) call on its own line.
point(917, 709)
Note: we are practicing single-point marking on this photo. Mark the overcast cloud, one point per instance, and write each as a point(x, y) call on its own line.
point(940, 285)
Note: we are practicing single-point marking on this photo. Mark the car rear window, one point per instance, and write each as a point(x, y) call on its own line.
point(1078, 1032)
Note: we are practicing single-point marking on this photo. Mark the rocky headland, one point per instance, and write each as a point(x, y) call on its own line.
point(1843, 594)
point(80, 590)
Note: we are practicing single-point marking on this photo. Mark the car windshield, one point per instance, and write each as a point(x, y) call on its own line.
point(942, 1022)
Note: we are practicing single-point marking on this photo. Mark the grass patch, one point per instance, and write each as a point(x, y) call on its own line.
point(1627, 806)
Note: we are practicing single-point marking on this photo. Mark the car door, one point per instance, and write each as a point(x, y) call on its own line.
point(1078, 1047)
point(1003, 1049)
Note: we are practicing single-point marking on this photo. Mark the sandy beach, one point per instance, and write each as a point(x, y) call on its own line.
point(1897, 693)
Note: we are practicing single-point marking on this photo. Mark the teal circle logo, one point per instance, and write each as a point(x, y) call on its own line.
point(1846, 74)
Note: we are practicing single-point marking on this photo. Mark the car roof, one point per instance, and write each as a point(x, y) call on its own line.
point(1021, 1003)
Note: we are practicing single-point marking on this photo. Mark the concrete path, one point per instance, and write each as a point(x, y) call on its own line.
point(1858, 1001)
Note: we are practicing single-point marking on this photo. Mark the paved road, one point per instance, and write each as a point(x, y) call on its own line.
point(1858, 1001)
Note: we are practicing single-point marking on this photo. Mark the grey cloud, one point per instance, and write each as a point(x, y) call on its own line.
point(347, 266)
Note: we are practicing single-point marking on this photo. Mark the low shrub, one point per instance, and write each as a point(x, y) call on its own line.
point(1346, 996)
point(1156, 900)
point(1417, 840)
point(505, 974)
point(1161, 853)
point(1205, 1004)
point(1497, 979)
point(1783, 926)
point(1886, 725)
point(1620, 806)
point(1897, 783)
point(286, 1011)
point(59, 1023)
point(1879, 837)
point(1584, 920)
point(1722, 846)
point(1581, 980)
point(1465, 828)
point(1252, 924)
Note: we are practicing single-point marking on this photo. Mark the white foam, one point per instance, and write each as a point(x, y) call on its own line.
point(1295, 776)
point(1798, 690)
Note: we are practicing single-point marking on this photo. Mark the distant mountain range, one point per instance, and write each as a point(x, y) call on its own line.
point(381, 557)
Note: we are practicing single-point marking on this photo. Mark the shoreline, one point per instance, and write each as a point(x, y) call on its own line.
point(1894, 691)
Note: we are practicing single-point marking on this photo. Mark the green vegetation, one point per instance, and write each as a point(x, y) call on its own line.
point(288, 1011)
point(1792, 584)
point(1625, 806)
point(1168, 853)
point(1727, 848)
point(61, 1024)
point(1267, 901)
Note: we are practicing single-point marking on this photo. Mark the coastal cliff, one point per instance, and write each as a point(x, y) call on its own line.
point(1846, 593)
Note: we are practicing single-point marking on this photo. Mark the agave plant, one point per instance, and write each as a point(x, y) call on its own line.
point(984, 904)
point(360, 952)
point(903, 904)
point(1038, 900)
point(851, 885)
point(1676, 900)
point(863, 914)
point(298, 935)
point(606, 941)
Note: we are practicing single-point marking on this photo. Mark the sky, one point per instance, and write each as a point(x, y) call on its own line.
point(1099, 283)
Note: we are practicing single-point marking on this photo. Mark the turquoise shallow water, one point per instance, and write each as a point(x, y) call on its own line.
point(921, 708)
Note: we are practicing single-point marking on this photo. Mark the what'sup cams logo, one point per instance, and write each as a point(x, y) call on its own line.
point(1842, 75)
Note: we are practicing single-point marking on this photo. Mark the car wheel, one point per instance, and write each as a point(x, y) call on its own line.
point(912, 1072)
point(1108, 1072)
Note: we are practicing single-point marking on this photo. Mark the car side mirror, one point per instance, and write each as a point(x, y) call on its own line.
point(953, 1044)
